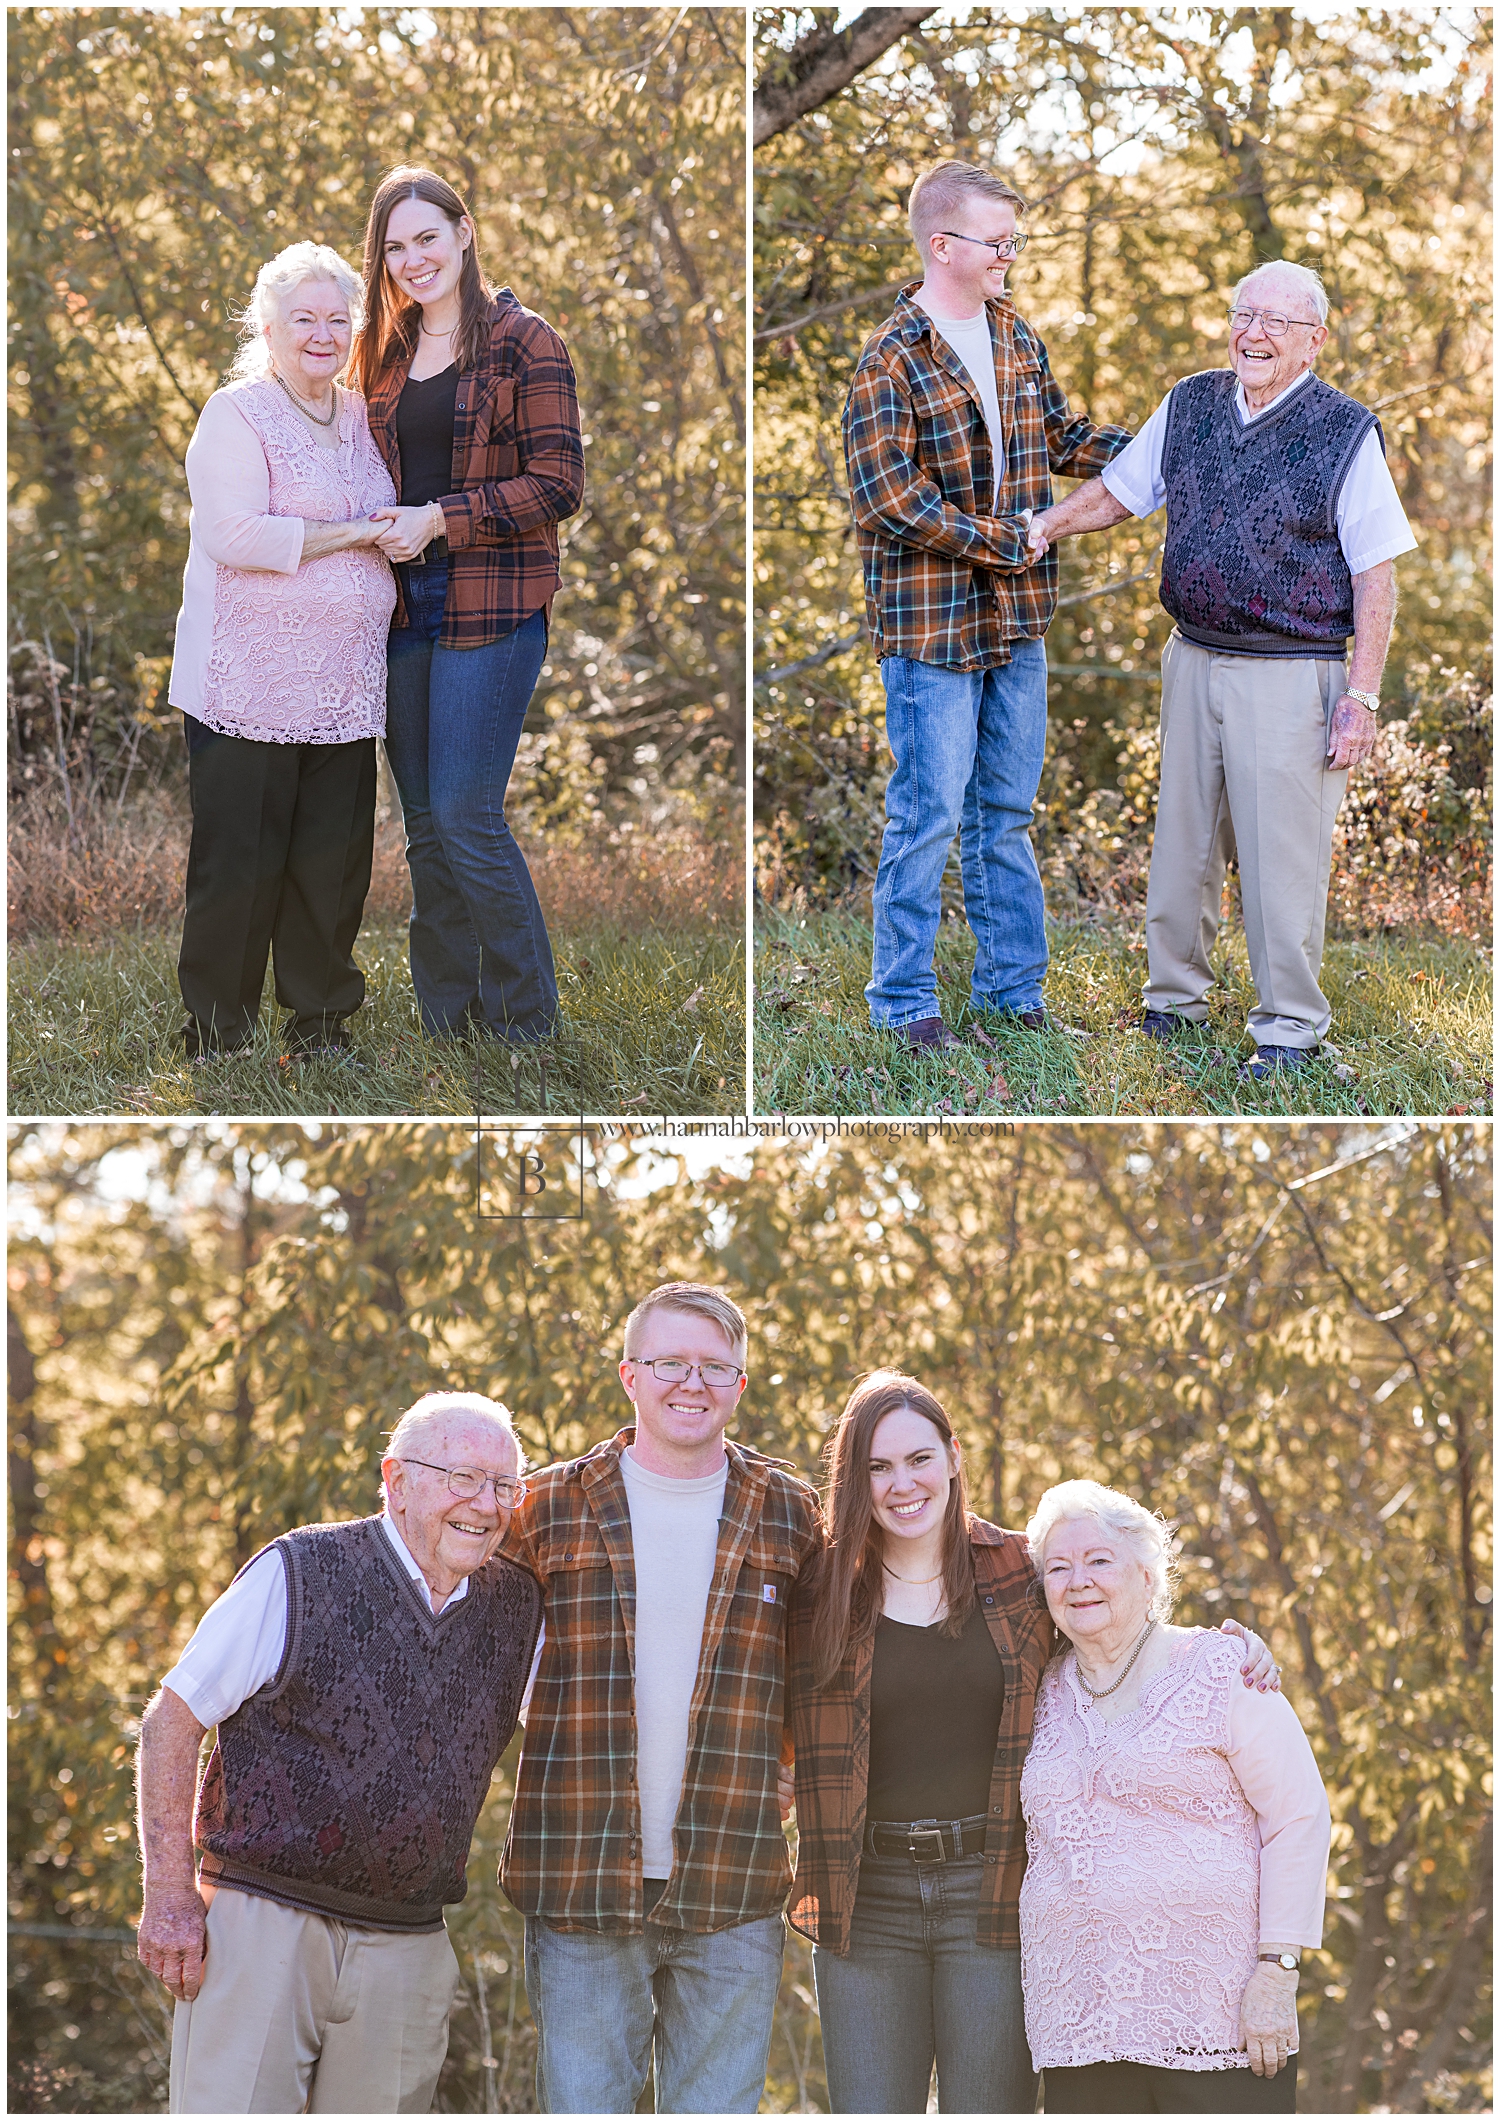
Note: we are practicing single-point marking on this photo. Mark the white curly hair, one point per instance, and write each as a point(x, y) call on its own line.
point(275, 280)
point(1150, 1535)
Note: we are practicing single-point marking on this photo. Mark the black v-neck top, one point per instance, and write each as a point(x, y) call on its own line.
point(935, 1705)
point(424, 435)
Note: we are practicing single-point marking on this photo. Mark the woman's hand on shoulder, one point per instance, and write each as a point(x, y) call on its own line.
point(1259, 1668)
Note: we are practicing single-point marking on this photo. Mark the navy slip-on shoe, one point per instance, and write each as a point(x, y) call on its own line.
point(1268, 1059)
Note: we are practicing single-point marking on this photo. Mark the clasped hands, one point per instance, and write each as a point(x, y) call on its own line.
point(404, 533)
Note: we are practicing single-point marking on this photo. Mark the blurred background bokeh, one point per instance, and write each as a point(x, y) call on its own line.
point(1278, 1335)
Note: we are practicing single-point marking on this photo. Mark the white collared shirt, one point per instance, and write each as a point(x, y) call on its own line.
point(237, 1646)
point(1371, 522)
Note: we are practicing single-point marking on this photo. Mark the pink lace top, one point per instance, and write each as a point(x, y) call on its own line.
point(1160, 1850)
point(265, 647)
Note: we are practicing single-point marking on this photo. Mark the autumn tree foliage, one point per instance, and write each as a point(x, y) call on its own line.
point(157, 158)
point(1279, 1337)
point(1165, 152)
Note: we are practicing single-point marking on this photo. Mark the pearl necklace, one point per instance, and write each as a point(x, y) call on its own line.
point(1103, 1693)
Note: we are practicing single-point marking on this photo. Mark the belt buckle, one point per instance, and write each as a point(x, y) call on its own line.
point(927, 1833)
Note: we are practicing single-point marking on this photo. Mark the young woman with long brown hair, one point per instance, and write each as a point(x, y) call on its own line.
point(473, 404)
point(916, 1651)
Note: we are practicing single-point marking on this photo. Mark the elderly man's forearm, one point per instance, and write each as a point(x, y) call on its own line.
point(1374, 617)
point(1090, 507)
point(167, 1784)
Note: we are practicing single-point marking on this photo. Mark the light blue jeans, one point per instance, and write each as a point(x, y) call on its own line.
point(598, 2003)
point(916, 1988)
point(968, 746)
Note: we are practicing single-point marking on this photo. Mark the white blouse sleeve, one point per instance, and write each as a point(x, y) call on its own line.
point(237, 1646)
point(230, 484)
point(1275, 1768)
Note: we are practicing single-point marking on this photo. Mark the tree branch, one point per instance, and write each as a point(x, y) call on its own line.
point(822, 63)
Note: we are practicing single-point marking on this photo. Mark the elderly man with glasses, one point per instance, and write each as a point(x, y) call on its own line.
point(365, 1678)
point(645, 1846)
point(1283, 525)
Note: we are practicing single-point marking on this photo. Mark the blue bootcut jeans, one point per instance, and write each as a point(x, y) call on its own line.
point(708, 2003)
point(479, 948)
point(969, 746)
point(916, 1988)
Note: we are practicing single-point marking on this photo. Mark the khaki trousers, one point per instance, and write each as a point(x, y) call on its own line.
point(305, 2014)
point(1244, 743)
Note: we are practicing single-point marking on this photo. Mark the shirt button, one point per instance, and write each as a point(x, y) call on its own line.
point(989, 1601)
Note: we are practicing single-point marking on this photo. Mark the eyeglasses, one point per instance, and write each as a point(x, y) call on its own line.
point(672, 1370)
point(1276, 325)
point(1002, 246)
point(465, 1483)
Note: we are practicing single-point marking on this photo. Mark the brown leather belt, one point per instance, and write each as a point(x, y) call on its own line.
point(926, 1840)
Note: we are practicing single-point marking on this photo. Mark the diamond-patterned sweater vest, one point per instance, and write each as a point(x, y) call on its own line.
point(1252, 564)
point(351, 1783)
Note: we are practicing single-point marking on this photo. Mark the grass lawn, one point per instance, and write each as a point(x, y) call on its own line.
point(1411, 1032)
point(652, 1023)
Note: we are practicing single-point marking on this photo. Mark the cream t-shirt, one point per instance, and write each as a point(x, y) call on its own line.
point(674, 1529)
point(970, 339)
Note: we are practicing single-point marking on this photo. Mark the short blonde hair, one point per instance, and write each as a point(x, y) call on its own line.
point(1149, 1534)
point(696, 1298)
point(946, 188)
point(276, 279)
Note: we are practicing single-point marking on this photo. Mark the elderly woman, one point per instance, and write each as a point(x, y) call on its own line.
point(474, 407)
point(915, 1652)
point(279, 667)
point(1177, 1840)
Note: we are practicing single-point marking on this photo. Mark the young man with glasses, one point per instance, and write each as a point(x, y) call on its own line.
point(953, 427)
point(1283, 524)
point(645, 1845)
point(365, 1678)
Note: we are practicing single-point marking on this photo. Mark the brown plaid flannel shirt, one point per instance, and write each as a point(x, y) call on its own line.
point(517, 472)
point(832, 1733)
point(947, 580)
point(573, 1852)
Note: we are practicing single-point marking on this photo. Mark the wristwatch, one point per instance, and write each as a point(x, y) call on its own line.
point(1290, 1960)
point(1366, 699)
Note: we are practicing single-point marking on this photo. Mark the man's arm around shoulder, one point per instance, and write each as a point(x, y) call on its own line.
point(173, 1938)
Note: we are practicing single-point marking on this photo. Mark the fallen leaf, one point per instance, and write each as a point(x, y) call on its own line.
point(1344, 1073)
point(693, 1000)
point(978, 1031)
point(999, 1090)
